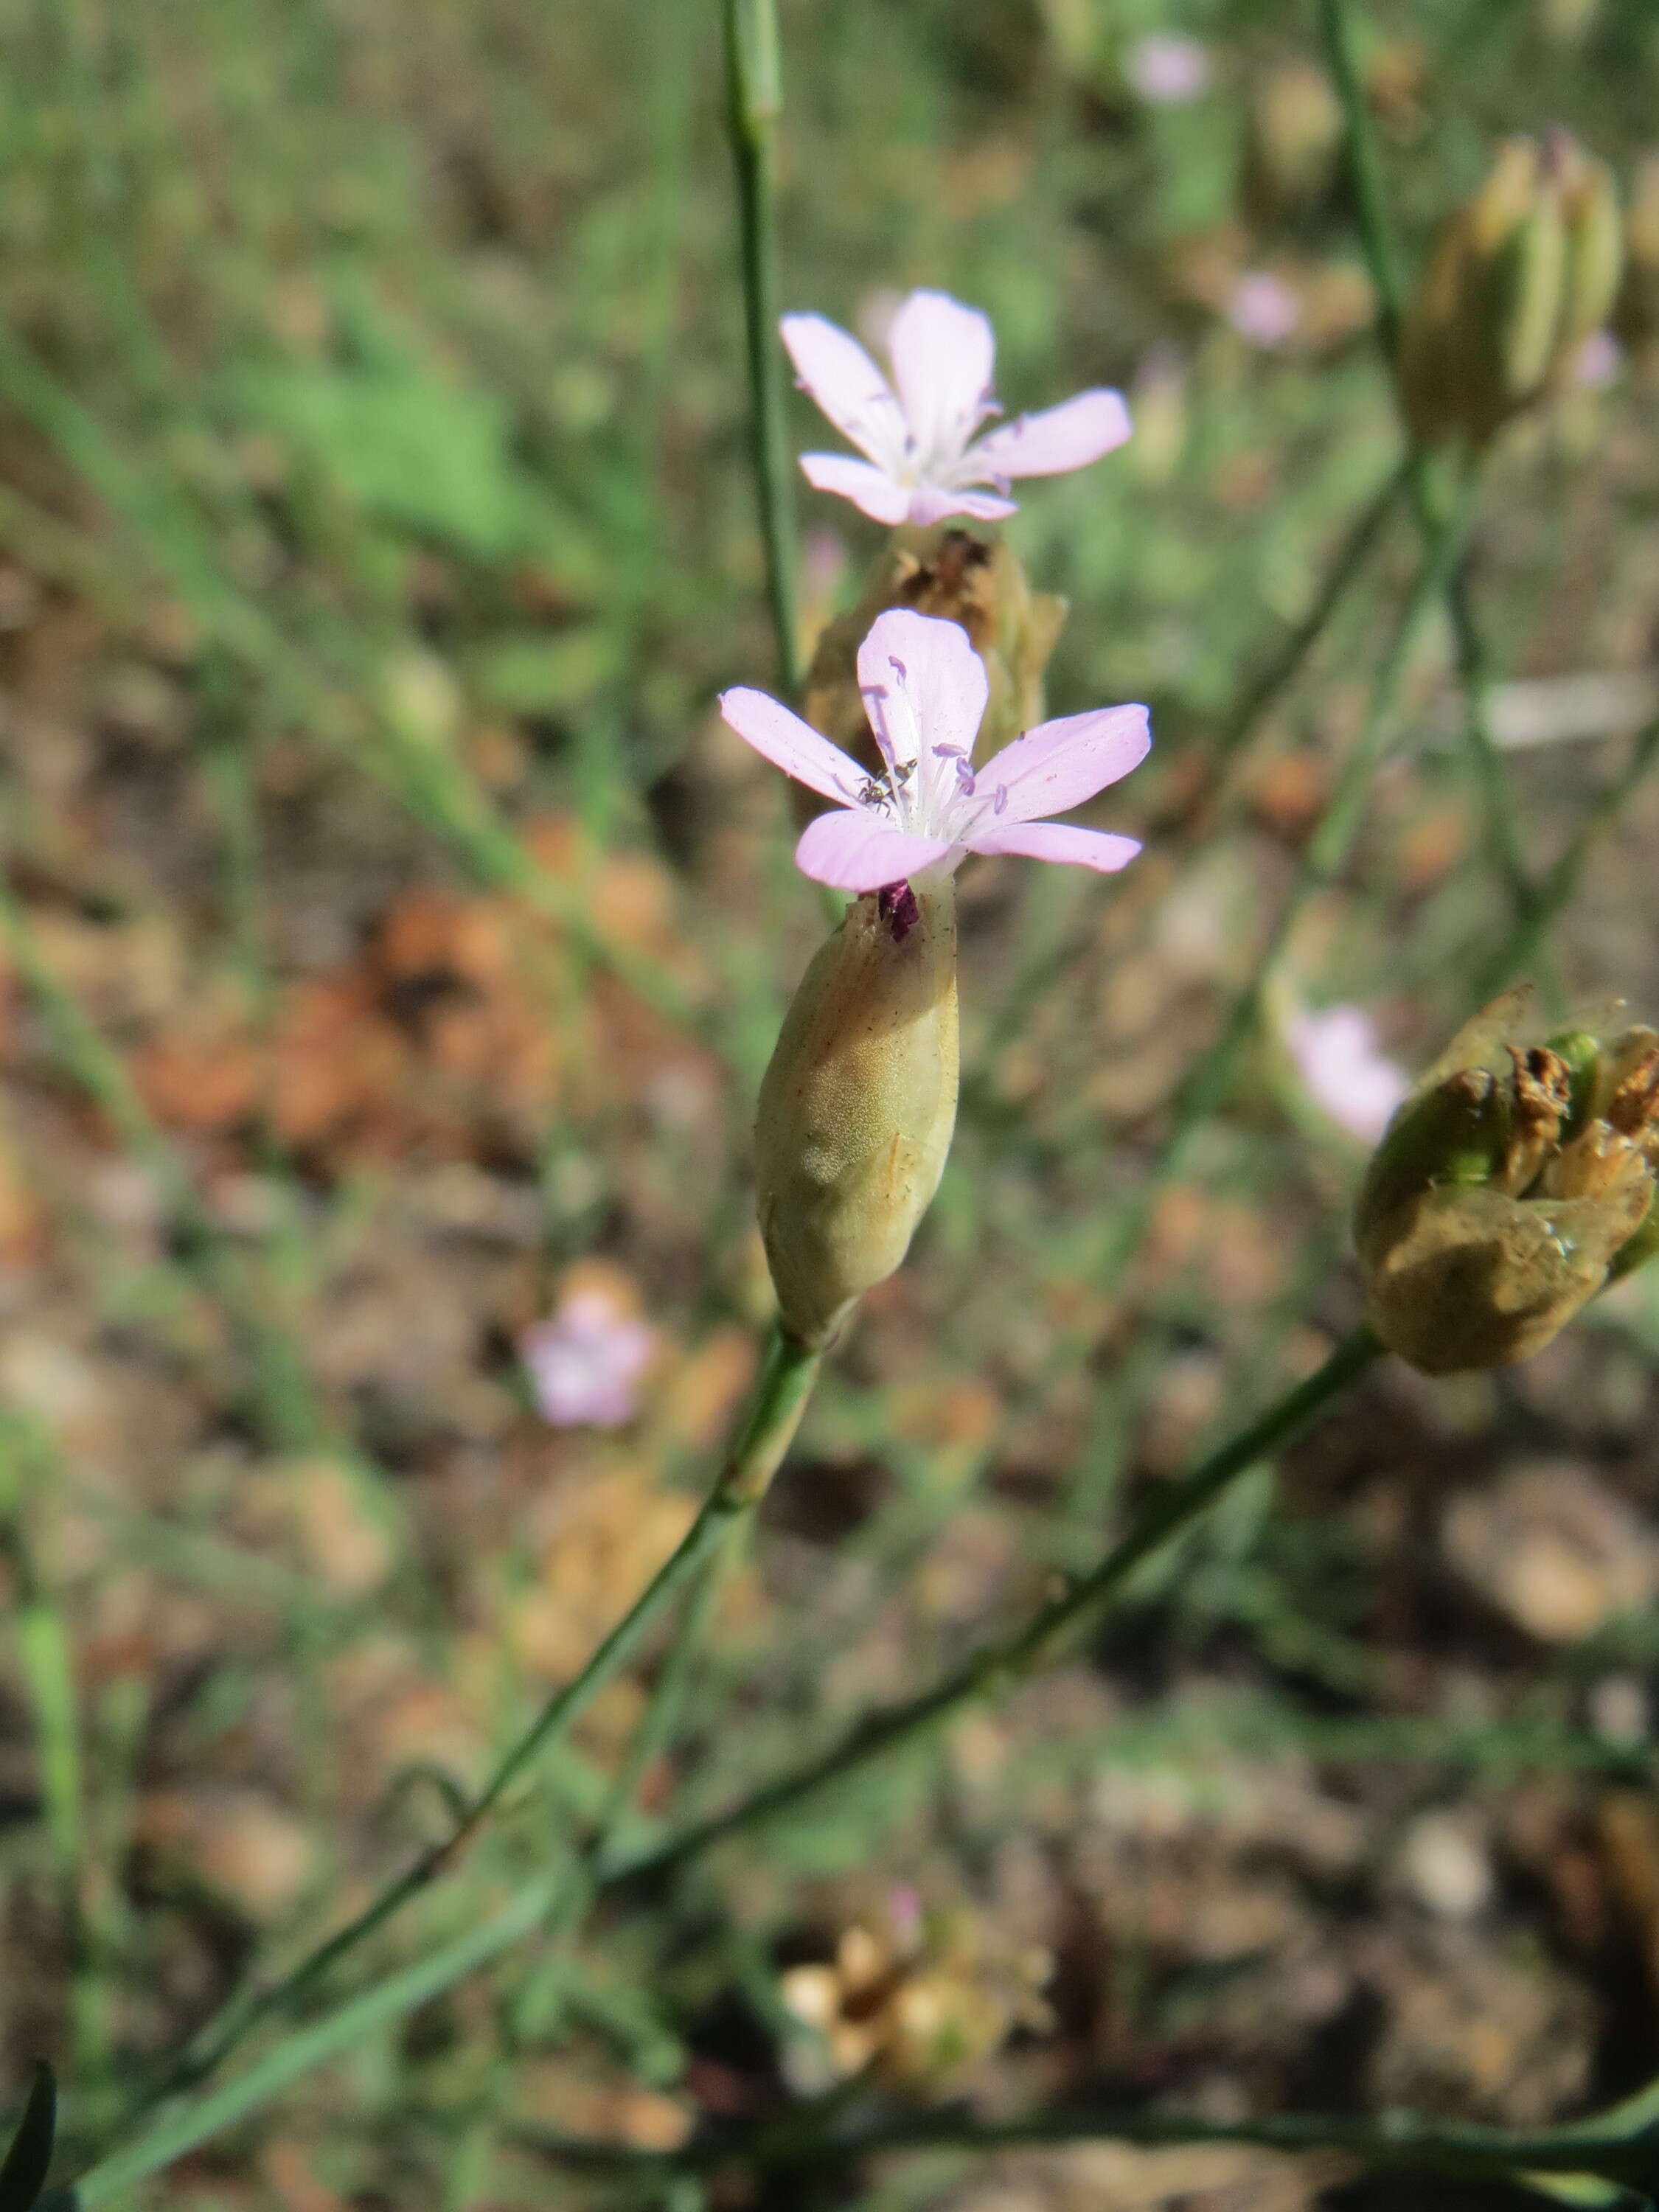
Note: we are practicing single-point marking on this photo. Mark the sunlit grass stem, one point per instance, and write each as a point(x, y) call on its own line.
point(780, 1397)
point(1428, 494)
point(1609, 2148)
point(785, 1385)
point(1277, 673)
point(998, 1664)
point(1212, 1076)
point(755, 101)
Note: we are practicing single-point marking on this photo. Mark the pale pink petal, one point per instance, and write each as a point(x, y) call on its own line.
point(585, 1363)
point(846, 385)
point(1167, 71)
point(943, 356)
point(854, 850)
point(790, 744)
point(870, 489)
point(1068, 437)
point(1056, 841)
point(1263, 308)
point(1058, 765)
point(923, 683)
point(1346, 1073)
point(930, 503)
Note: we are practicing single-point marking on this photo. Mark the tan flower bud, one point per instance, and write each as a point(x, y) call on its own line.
point(948, 572)
point(1512, 1184)
point(857, 1106)
point(1518, 277)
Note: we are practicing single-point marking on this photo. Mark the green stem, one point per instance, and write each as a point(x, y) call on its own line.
point(1010, 1658)
point(1614, 2145)
point(1365, 167)
point(780, 1397)
point(1365, 173)
point(1558, 888)
point(786, 1383)
point(172, 2137)
point(289, 1406)
point(755, 96)
point(1208, 1084)
point(1275, 676)
point(336, 694)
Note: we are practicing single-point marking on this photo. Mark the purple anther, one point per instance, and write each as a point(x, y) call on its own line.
point(1001, 799)
point(899, 669)
point(897, 905)
point(950, 752)
point(965, 778)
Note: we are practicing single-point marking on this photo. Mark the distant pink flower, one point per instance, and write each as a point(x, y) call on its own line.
point(924, 691)
point(1598, 362)
point(585, 1363)
point(918, 432)
point(1167, 71)
point(1337, 1057)
point(1263, 308)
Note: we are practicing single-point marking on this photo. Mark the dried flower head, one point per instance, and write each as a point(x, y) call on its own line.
point(956, 576)
point(917, 2004)
point(1515, 1179)
point(1519, 276)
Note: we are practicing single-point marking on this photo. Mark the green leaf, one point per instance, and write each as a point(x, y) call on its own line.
point(23, 2176)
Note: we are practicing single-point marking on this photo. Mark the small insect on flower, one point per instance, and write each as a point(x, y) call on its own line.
point(925, 692)
point(585, 1364)
point(919, 434)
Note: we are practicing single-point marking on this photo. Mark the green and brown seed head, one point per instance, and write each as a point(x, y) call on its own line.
point(1516, 1182)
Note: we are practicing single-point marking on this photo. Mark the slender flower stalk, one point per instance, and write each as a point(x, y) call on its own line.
point(1365, 176)
point(786, 1383)
point(1522, 945)
point(1208, 1081)
point(1593, 2157)
point(780, 1398)
point(754, 98)
point(998, 1664)
point(1277, 674)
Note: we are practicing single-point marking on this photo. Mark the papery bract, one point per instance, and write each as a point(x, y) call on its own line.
point(923, 456)
point(924, 691)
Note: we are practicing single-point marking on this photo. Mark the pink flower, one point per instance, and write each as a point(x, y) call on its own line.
point(1598, 362)
point(1167, 71)
point(924, 690)
point(1336, 1056)
point(1263, 308)
point(585, 1363)
point(918, 432)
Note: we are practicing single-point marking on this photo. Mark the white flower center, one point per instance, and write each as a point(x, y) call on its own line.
point(929, 791)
